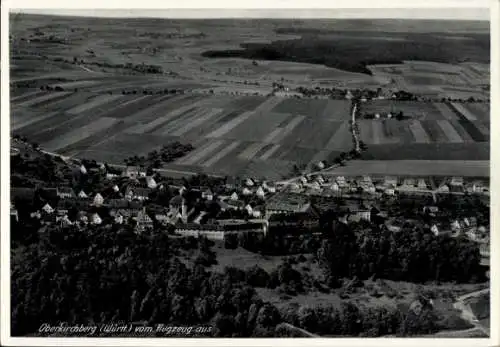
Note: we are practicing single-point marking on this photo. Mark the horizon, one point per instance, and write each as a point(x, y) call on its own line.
point(434, 14)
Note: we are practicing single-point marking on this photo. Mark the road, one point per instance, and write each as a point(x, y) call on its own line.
point(356, 146)
point(121, 166)
point(466, 310)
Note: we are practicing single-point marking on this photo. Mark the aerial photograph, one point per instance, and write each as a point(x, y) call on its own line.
point(264, 174)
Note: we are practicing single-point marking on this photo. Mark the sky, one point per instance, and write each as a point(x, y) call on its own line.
point(468, 13)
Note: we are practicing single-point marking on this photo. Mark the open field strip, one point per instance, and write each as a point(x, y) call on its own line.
point(95, 102)
point(288, 128)
point(163, 107)
point(419, 132)
point(227, 127)
point(434, 131)
point(180, 121)
point(251, 150)
point(94, 140)
point(200, 153)
point(25, 122)
point(337, 110)
point(311, 107)
point(445, 110)
point(482, 128)
point(482, 111)
point(257, 127)
point(451, 133)
point(26, 96)
point(270, 138)
point(206, 115)
point(470, 168)
point(270, 152)
point(139, 108)
point(79, 133)
point(225, 151)
point(341, 138)
point(465, 112)
point(461, 131)
point(48, 96)
point(158, 122)
point(76, 84)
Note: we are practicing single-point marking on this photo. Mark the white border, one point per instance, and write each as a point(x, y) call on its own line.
point(256, 4)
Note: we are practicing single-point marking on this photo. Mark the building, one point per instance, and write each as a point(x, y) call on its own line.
point(82, 195)
point(133, 172)
point(65, 193)
point(95, 219)
point(217, 231)
point(234, 196)
point(144, 221)
point(246, 191)
point(249, 182)
point(207, 194)
point(151, 183)
point(260, 192)
point(98, 200)
point(83, 170)
point(457, 181)
point(48, 209)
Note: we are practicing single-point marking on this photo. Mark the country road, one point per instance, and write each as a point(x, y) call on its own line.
point(466, 311)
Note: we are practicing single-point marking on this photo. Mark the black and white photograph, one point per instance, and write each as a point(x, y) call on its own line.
point(248, 173)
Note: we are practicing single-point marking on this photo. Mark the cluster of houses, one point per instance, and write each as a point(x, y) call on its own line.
point(388, 185)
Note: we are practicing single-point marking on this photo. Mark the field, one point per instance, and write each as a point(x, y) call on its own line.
point(430, 130)
point(231, 134)
point(437, 80)
point(106, 107)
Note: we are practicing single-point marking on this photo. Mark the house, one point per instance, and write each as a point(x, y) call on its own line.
point(116, 189)
point(335, 187)
point(431, 209)
point(320, 179)
point(65, 193)
point(303, 180)
point(207, 194)
point(435, 230)
point(321, 165)
point(391, 181)
point(110, 176)
point(95, 219)
point(35, 215)
point(47, 209)
point(455, 225)
point(444, 189)
point(150, 182)
point(249, 209)
point(421, 184)
point(82, 217)
point(133, 172)
point(143, 220)
point(83, 170)
point(234, 196)
point(64, 220)
point(119, 219)
point(256, 213)
point(13, 213)
point(82, 195)
point(457, 181)
point(246, 191)
point(390, 191)
point(137, 193)
point(249, 182)
point(98, 200)
point(235, 204)
point(260, 192)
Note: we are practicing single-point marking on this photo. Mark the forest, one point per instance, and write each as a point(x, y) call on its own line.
point(353, 51)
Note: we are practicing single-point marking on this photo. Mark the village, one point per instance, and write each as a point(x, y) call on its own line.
point(149, 201)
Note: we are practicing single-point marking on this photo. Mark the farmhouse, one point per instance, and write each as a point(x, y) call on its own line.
point(133, 172)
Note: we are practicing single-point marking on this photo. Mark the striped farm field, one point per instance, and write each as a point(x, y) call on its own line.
point(258, 135)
